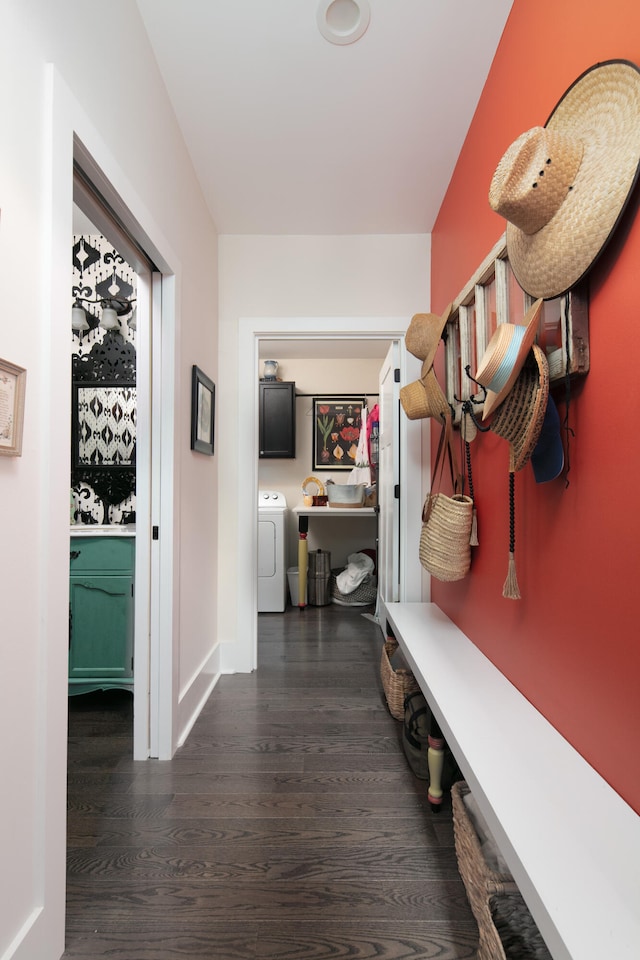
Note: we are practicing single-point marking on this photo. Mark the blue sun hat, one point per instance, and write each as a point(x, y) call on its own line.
point(547, 459)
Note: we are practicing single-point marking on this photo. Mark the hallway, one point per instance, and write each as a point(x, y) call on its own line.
point(288, 827)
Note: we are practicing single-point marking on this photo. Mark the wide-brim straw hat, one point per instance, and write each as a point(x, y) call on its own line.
point(563, 187)
point(424, 333)
point(519, 419)
point(503, 359)
point(424, 398)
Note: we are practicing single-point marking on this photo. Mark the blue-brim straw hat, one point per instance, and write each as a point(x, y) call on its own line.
point(503, 359)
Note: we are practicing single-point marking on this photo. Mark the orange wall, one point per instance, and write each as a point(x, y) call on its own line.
point(572, 644)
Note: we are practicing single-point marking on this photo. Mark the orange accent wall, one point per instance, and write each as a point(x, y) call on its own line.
point(571, 645)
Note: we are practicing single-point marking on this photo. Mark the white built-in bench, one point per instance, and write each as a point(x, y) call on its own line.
point(571, 842)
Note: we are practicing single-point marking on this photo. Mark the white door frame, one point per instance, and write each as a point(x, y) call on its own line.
point(250, 331)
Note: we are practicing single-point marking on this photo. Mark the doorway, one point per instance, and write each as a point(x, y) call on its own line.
point(250, 332)
point(153, 571)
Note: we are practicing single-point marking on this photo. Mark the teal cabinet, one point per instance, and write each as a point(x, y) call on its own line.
point(101, 613)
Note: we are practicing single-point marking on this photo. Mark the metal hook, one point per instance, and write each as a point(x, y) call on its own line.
point(467, 370)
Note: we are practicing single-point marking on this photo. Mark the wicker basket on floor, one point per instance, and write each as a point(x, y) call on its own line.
point(480, 881)
point(397, 683)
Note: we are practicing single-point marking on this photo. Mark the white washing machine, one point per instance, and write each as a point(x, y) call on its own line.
point(272, 572)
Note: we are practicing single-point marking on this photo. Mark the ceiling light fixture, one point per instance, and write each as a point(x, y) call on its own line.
point(343, 21)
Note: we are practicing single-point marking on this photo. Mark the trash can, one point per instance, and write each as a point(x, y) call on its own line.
point(292, 577)
point(319, 577)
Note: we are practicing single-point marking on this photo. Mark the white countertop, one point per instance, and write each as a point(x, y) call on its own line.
point(102, 530)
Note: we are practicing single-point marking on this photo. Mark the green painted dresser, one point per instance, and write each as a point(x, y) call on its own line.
point(101, 613)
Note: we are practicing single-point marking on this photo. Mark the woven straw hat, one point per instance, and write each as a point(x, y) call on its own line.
point(504, 356)
point(519, 420)
point(424, 398)
point(563, 187)
point(424, 333)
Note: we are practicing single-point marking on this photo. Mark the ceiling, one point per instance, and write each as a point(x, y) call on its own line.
point(292, 134)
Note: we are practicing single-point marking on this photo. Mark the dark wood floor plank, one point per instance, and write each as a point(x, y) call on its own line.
point(337, 781)
point(287, 806)
point(230, 861)
point(378, 831)
point(291, 743)
point(369, 941)
point(302, 901)
point(136, 940)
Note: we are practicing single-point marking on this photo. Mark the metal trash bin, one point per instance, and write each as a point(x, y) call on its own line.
point(318, 578)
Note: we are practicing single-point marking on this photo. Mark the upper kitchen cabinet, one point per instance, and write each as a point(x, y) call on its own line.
point(277, 420)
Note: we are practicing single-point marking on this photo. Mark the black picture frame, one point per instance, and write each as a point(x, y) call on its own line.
point(336, 431)
point(203, 411)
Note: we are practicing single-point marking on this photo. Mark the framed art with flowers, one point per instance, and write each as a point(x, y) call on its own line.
point(336, 431)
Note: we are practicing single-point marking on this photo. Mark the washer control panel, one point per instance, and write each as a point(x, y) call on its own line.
point(271, 498)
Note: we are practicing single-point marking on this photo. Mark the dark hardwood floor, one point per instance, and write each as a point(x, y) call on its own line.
point(288, 827)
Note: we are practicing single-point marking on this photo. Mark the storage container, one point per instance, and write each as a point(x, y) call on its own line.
point(318, 577)
point(292, 576)
point(346, 494)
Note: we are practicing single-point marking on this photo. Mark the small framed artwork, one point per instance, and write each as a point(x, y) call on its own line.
point(336, 432)
point(12, 391)
point(203, 408)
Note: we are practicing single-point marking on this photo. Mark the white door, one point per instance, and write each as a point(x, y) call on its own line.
point(399, 484)
point(389, 481)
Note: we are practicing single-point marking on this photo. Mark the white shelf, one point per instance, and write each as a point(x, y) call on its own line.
point(572, 843)
point(302, 511)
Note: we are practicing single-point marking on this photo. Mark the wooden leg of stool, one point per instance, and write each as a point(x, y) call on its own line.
point(435, 760)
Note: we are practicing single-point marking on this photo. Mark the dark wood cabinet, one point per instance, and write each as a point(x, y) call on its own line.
point(277, 420)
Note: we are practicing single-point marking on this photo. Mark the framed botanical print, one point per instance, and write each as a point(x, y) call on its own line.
point(336, 431)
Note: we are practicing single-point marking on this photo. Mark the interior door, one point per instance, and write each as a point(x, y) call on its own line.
point(389, 479)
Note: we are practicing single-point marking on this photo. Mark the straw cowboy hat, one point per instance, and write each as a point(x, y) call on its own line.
point(424, 397)
point(424, 334)
point(563, 187)
point(504, 357)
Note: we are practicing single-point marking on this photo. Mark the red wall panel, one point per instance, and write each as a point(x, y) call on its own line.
point(572, 643)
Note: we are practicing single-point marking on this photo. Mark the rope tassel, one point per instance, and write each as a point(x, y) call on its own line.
point(473, 539)
point(511, 590)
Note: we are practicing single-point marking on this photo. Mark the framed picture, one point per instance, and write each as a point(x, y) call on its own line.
point(12, 390)
point(203, 408)
point(103, 425)
point(336, 431)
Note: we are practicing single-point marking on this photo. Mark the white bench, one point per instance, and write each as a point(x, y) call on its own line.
point(571, 842)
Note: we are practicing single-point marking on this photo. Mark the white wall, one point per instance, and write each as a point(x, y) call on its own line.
point(52, 83)
point(301, 278)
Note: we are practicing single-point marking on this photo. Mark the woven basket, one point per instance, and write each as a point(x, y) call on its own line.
point(519, 935)
point(480, 881)
point(445, 538)
point(397, 683)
